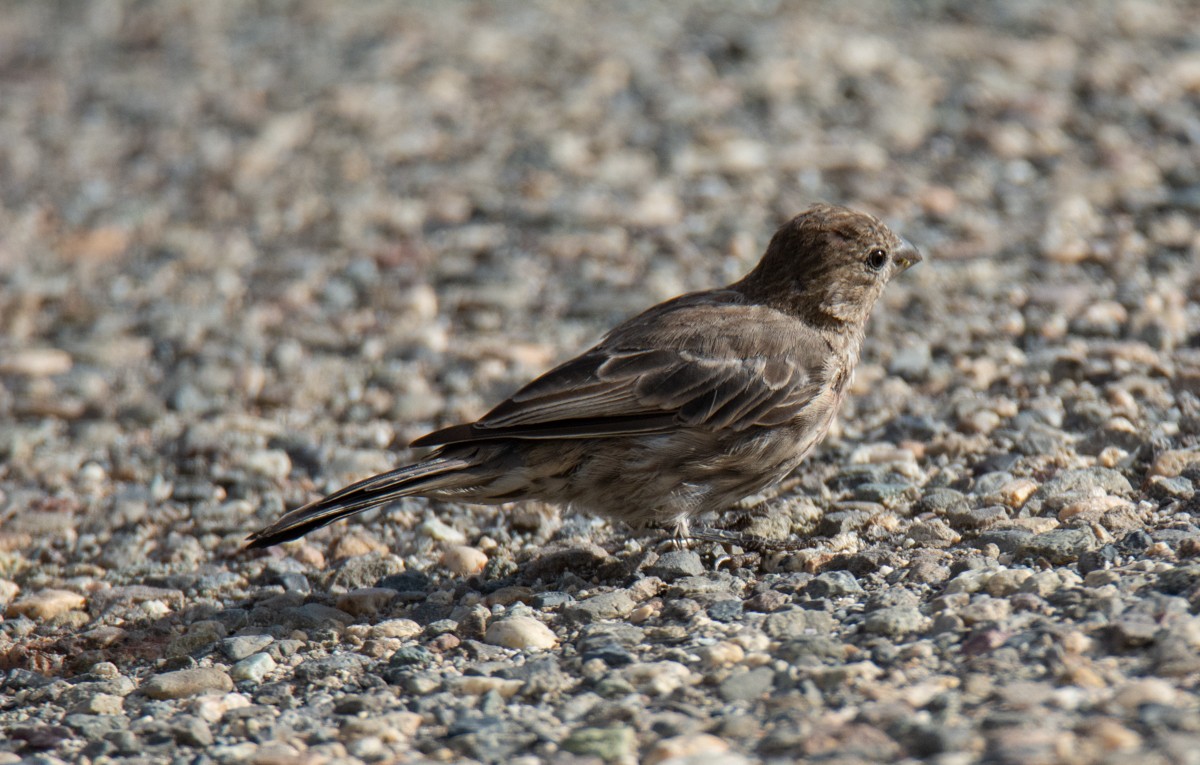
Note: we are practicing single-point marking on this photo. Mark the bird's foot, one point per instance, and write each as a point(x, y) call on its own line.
point(748, 542)
point(682, 536)
point(677, 536)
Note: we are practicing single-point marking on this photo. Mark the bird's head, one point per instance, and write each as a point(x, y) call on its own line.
point(829, 265)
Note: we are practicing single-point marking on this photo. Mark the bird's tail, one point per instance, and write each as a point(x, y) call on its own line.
point(428, 475)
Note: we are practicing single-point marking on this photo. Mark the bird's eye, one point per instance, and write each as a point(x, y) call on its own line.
point(877, 259)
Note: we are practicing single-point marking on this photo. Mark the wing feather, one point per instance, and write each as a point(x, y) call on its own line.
point(620, 389)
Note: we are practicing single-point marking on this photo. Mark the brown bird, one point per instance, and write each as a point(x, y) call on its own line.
point(682, 410)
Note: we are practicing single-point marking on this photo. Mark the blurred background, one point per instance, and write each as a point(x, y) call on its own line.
point(248, 250)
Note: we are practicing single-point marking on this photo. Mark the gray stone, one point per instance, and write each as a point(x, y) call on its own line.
point(747, 685)
point(709, 588)
point(1088, 480)
point(607, 605)
point(833, 584)
point(1181, 580)
point(1006, 540)
point(192, 731)
point(364, 571)
point(440, 627)
point(941, 501)
point(927, 571)
point(550, 600)
point(725, 610)
point(947, 623)
point(911, 361)
point(886, 494)
point(812, 649)
point(989, 483)
point(253, 668)
point(896, 621)
point(411, 655)
point(890, 597)
point(608, 744)
point(674, 564)
point(797, 622)
point(187, 682)
point(241, 646)
point(117, 686)
point(316, 616)
point(95, 727)
point(344, 665)
point(1060, 546)
point(603, 633)
point(1163, 487)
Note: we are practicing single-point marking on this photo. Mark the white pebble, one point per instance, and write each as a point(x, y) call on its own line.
point(441, 532)
point(463, 560)
point(36, 362)
point(271, 463)
point(46, 604)
point(155, 609)
point(696, 747)
point(658, 678)
point(253, 668)
point(396, 628)
point(521, 633)
point(721, 654)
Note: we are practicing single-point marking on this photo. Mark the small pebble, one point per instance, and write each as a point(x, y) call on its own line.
point(478, 686)
point(1151, 690)
point(521, 633)
point(614, 604)
point(1173, 462)
point(695, 748)
point(658, 679)
point(355, 544)
point(438, 531)
point(612, 744)
point(8, 591)
point(1015, 493)
point(396, 628)
point(462, 560)
point(365, 601)
point(720, 654)
point(187, 682)
point(253, 668)
point(239, 647)
point(271, 463)
point(1007, 582)
point(100, 704)
point(46, 604)
point(36, 362)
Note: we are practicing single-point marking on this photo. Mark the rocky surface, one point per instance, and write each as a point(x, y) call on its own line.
point(248, 251)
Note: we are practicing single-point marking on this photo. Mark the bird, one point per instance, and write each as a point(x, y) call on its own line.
point(680, 411)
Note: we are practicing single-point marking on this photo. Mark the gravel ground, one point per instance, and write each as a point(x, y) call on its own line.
point(249, 250)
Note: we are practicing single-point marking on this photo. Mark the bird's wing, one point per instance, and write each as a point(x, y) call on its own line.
point(614, 390)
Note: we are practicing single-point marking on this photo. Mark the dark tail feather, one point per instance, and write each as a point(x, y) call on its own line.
point(367, 493)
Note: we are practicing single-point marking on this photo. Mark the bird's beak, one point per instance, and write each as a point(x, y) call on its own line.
point(907, 256)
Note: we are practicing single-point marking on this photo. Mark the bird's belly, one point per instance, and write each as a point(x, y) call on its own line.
point(659, 479)
point(662, 479)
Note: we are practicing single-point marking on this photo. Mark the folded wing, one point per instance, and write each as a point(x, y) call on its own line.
point(614, 391)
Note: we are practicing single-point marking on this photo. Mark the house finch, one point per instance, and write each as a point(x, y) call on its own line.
point(681, 410)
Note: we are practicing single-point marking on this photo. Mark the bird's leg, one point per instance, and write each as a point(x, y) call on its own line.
point(681, 534)
point(676, 536)
point(749, 542)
